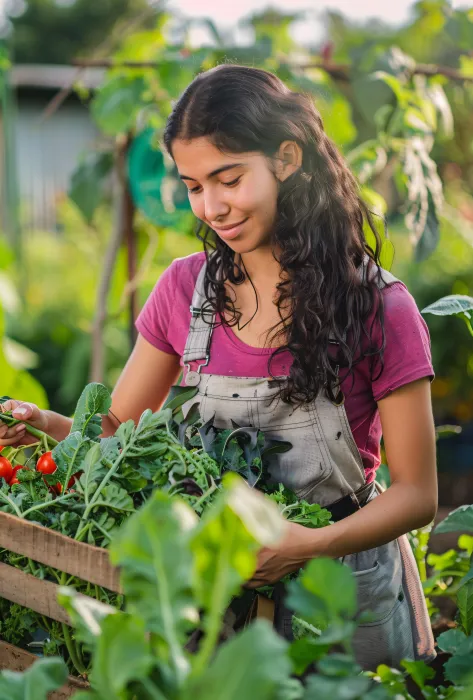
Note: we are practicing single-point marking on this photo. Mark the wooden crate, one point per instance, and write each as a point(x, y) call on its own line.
point(53, 549)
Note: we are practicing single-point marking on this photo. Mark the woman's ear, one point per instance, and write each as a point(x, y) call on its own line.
point(289, 159)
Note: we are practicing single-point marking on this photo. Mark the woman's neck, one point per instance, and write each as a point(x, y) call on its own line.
point(261, 266)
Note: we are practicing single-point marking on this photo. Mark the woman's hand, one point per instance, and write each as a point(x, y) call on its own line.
point(293, 552)
point(26, 412)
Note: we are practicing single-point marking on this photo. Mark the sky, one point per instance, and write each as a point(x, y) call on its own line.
point(226, 13)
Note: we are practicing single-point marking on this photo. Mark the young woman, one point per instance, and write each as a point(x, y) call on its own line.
point(286, 321)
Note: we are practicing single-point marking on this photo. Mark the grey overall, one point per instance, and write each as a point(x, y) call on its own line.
point(323, 466)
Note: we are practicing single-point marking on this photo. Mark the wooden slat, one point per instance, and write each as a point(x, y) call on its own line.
point(16, 659)
point(53, 549)
point(41, 596)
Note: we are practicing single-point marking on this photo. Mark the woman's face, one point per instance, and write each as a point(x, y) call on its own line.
point(234, 194)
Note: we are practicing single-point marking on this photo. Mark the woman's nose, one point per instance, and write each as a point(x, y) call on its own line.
point(214, 207)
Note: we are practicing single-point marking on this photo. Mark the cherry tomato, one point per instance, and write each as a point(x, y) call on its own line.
point(73, 479)
point(17, 468)
point(58, 488)
point(6, 469)
point(13, 481)
point(46, 464)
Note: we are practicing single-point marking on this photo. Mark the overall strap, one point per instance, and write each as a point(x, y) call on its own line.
point(386, 277)
point(201, 325)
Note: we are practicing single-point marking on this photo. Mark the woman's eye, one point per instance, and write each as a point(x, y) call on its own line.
point(194, 190)
point(233, 182)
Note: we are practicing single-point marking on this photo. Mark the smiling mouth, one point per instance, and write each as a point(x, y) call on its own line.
point(229, 227)
point(231, 232)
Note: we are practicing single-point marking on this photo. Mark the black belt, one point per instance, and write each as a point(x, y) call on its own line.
point(351, 503)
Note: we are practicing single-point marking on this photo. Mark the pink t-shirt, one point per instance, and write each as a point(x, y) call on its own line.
point(165, 318)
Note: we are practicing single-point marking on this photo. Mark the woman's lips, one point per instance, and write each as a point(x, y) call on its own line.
point(229, 233)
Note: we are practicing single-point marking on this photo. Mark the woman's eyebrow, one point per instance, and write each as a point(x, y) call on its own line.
point(215, 172)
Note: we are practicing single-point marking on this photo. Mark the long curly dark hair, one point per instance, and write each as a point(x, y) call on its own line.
point(318, 231)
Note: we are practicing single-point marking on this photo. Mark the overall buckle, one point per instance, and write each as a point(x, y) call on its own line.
point(193, 376)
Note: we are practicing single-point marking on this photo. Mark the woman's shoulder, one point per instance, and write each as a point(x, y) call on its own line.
point(182, 275)
point(189, 265)
point(397, 300)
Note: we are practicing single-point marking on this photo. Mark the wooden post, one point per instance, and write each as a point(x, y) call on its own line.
point(129, 211)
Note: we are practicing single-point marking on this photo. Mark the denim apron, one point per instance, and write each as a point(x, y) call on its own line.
point(323, 466)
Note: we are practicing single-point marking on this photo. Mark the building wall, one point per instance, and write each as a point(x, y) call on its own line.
point(47, 152)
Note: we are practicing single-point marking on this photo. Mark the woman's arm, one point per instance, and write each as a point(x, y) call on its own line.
point(411, 500)
point(144, 383)
point(409, 503)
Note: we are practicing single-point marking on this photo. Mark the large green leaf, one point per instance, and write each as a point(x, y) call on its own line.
point(329, 688)
point(19, 383)
point(430, 236)
point(115, 106)
point(465, 605)
point(325, 587)
point(458, 668)
point(114, 497)
point(87, 182)
point(153, 550)
point(94, 401)
point(459, 519)
point(93, 471)
point(227, 539)
point(69, 455)
point(122, 654)
point(252, 665)
point(451, 640)
point(372, 92)
point(44, 676)
point(419, 671)
point(449, 305)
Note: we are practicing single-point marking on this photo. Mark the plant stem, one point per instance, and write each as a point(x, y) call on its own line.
point(215, 617)
point(12, 504)
point(205, 495)
point(468, 325)
point(153, 692)
point(176, 651)
point(81, 670)
point(10, 421)
point(47, 504)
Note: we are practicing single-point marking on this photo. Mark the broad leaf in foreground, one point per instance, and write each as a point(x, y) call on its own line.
point(44, 676)
point(153, 550)
point(460, 519)
point(122, 655)
point(252, 665)
point(94, 401)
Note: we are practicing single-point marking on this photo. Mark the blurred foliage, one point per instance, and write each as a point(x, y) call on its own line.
point(55, 323)
point(56, 32)
point(15, 359)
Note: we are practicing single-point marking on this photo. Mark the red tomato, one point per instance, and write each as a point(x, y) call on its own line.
point(13, 481)
point(1, 449)
point(73, 479)
point(46, 464)
point(17, 468)
point(6, 469)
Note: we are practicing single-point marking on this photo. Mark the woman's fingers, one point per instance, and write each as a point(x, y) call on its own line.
point(16, 435)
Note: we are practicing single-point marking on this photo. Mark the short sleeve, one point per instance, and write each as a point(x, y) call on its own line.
point(155, 316)
point(407, 354)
